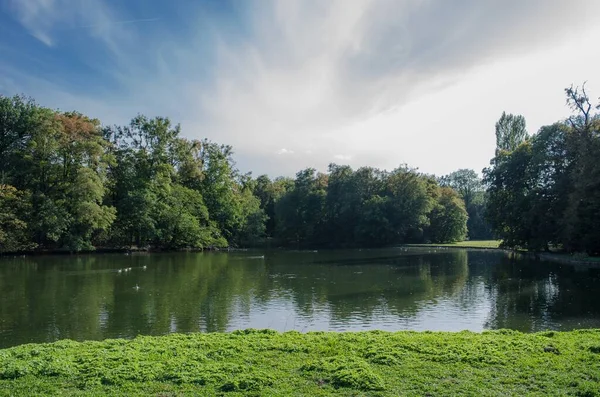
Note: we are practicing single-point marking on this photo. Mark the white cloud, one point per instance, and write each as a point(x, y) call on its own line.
point(38, 16)
point(45, 19)
point(342, 157)
point(389, 81)
point(351, 76)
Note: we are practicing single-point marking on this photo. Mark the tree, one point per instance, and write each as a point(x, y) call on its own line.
point(470, 187)
point(13, 228)
point(300, 212)
point(509, 184)
point(81, 149)
point(466, 182)
point(408, 205)
point(448, 218)
point(546, 191)
point(220, 189)
point(269, 193)
point(510, 132)
point(254, 219)
point(183, 221)
point(582, 215)
point(18, 121)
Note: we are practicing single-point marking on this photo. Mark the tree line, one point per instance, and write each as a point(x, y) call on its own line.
point(366, 207)
point(544, 189)
point(68, 182)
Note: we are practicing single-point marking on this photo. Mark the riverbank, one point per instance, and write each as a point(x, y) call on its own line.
point(315, 364)
point(558, 257)
point(483, 244)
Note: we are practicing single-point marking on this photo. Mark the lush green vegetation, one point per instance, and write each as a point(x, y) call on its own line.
point(544, 189)
point(468, 244)
point(317, 364)
point(67, 182)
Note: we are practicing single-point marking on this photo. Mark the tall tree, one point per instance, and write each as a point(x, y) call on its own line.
point(510, 132)
point(19, 118)
point(583, 210)
point(14, 206)
point(470, 187)
point(448, 218)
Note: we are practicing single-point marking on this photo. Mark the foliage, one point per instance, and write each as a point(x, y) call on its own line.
point(545, 191)
point(367, 207)
point(69, 183)
point(448, 218)
point(263, 362)
point(13, 229)
point(485, 244)
point(470, 187)
point(510, 132)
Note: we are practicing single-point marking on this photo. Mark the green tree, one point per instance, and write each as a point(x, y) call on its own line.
point(582, 215)
point(509, 185)
point(300, 212)
point(510, 132)
point(81, 150)
point(471, 189)
point(14, 204)
point(18, 121)
point(220, 189)
point(254, 219)
point(448, 218)
point(409, 204)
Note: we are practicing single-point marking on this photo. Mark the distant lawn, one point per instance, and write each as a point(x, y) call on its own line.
point(267, 363)
point(466, 244)
point(477, 244)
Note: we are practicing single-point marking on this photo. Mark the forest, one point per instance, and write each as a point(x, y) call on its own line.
point(69, 183)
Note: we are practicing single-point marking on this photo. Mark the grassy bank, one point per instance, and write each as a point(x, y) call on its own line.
point(315, 364)
point(494, 244)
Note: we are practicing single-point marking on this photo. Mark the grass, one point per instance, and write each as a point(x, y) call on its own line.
point(466, 244)
point(267, 363)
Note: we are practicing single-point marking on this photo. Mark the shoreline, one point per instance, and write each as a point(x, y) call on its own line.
point(555, 257)
point(265, 362)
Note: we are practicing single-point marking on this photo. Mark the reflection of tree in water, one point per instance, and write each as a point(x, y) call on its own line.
point(45, 299)
point(190, 292)
point(85, 297)
point(40, 303)
point(361, 287)
point(533, 296)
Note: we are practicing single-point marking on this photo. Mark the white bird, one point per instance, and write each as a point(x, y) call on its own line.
point(137, 287)
point(144, 267)
point(120, 270)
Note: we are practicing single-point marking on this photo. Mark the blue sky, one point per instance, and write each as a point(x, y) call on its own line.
point(298, 83)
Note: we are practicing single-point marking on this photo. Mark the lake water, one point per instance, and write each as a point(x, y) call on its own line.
point(94, 297)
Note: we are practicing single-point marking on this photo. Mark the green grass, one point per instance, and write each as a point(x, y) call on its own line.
point(267, 363)
point(466, 244)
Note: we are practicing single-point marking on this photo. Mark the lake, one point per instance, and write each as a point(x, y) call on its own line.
point(96, 296)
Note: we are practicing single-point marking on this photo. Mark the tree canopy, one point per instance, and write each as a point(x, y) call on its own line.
point(544, 189)
point(69, 182)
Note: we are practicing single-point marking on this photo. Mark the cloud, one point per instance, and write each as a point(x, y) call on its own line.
point(390, 81)
point(317, 71)
point(42, 18)
point(342, 157)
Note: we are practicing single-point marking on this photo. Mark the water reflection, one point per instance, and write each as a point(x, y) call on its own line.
point(106, 296)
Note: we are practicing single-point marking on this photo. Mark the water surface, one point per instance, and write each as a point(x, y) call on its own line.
point(95, 297)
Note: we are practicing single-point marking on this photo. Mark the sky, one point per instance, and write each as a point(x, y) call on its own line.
point(292, 84)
